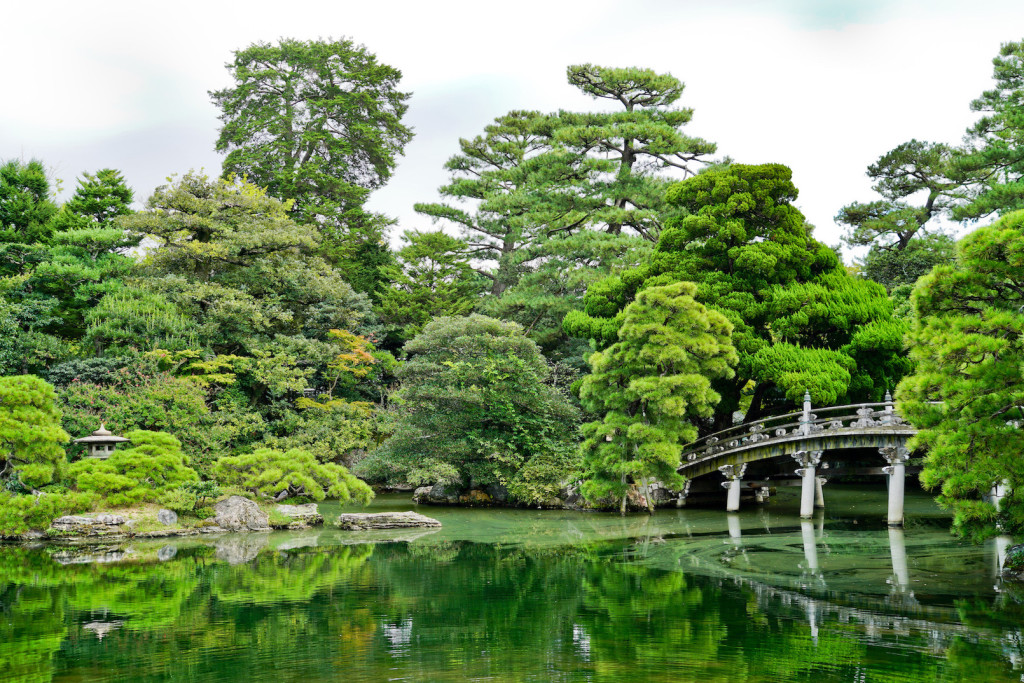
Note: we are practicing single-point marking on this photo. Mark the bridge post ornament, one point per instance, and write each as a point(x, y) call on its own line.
point(681, 498)
point(733, 474)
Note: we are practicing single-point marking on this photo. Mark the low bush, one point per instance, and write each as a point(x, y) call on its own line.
point(20, 513)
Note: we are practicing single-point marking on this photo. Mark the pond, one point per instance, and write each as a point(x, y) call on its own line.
point(527, 595)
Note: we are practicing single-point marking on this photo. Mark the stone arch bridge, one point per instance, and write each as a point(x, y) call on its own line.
point(805, 436)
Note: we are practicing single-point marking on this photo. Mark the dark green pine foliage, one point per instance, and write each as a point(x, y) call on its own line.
point(795, 312)
point(903, 240)
point(87, 254)
point(319, 123)
point(649, 388)
point(996, 140)
point(474, 409)
point(26, 212)
point(966, 395)
point(435, 279)
point(632, 146)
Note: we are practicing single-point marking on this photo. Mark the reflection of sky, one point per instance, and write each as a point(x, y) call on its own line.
point(823, 86)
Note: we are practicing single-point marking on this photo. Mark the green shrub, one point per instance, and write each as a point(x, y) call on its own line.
point(286, 474)
point(149, 471)
point(21, 513)
point(31, 438)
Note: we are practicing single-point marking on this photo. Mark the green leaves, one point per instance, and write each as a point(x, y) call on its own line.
point(318, 123)
point(474, 409)
point(966, 395)
point(284, 474)
point(153, 467)
point(31, 438)
point(650, 387)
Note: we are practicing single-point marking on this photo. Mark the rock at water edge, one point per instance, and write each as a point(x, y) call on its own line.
point(302, 515)
point(240, 514)
point(385, 520)
point(167, 517)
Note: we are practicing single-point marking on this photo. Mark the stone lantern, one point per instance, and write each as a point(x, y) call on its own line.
point(101, 443)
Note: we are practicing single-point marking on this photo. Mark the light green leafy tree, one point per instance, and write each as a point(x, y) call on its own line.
point(285, 474)
point(649, 387)
point(966, 395)
point(31, 437)
point(474, 410)
point(152, 468)
point(230, 257)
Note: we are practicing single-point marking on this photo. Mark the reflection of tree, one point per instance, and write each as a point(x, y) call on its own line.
point(447, 611)
point(32, 629)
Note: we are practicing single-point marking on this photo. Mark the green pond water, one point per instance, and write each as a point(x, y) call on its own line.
point(527, 595)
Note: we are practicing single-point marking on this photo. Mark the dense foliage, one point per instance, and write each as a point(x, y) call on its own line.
point(151, 469)
point(31, 438)
point(967, 394)
point(795, 311)
point(286, 474)
point(474, 410)
point(586, 259)
point(649, 387)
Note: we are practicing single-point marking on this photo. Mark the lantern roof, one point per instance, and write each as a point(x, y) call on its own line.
point(102, 435)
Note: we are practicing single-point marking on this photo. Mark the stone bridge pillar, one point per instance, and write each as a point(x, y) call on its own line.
point(819, 494)
point(734, 480)
point(897, 470)
point(808, 461)
point(681, 498)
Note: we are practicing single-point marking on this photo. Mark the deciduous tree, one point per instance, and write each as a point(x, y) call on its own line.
point(474, 409)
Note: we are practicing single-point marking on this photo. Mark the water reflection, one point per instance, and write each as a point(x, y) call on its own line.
point(669, 600)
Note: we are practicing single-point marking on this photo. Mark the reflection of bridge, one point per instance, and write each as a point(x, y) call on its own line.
point(899, 612)
point(805, 436)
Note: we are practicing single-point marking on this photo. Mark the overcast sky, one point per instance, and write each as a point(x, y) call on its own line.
point(824, 87)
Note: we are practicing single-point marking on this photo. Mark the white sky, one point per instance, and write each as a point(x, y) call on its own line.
point(822, 86)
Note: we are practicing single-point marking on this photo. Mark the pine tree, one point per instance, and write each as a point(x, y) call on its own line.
point(966, 395)
point(649, 387)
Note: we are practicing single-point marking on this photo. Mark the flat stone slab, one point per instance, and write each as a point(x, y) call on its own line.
point(357, 521)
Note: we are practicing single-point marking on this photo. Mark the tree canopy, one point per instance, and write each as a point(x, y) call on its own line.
point(474, 410)
point(318, 123)
point(966, 395)
point(31, 438)
point(649, 387)
point(793, 308)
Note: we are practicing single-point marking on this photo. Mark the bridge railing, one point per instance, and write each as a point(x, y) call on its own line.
point(804, 422)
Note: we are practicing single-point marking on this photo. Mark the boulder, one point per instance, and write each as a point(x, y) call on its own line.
point(167, 517)
point(302, 516)
point(438, 494)
point(1013, 563)
point(497, 492)
point(384, 520)
point(240, 514)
